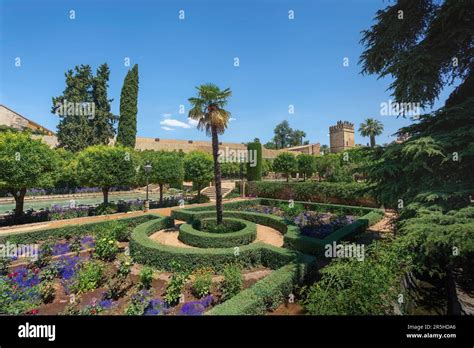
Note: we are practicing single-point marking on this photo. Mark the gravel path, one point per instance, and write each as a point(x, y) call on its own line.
point(265, 235)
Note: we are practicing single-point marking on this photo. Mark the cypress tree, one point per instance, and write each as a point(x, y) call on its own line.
point(255, 173)
point(103, 121)
point(127, 128)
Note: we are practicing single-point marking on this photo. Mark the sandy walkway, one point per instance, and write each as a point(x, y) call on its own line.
point(75, 221)
point(265, 235)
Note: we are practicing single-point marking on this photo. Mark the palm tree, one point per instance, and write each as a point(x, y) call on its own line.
point(208, 110)
point(371, 128)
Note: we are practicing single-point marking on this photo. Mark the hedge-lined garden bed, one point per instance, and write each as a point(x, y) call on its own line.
point(293, 238)
point(202, 239)
point(352, 193)
point(90, 228)
point(146, 251)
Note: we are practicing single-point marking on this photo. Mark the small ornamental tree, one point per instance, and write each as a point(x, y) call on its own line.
point(25, 163)
point(166, 168)
point(254, 170)
point(285, 163)
point(306, 165)
point(198, 168)
point(107, 166)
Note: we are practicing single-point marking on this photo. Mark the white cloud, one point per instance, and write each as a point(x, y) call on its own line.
point(166, 115)
point(174, 123)
point(232, 119)
point(192, 122)
point(167, 128)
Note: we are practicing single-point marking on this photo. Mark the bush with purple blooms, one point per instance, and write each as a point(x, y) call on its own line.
point(196, 307)
point(320, 225)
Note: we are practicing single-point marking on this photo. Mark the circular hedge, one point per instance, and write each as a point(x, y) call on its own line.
point(201, 239)
point(210, 225)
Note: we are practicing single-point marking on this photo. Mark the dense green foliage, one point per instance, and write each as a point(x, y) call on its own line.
point(106, 166)
point(232, 282)
point(25, 163)
point(127, 128)
point(202, 239)
point(267, 293)
point(306, 165)
point(285, 163)
point(91, 228)
point(285, 136)
point(351, 193)
point(254, 173)
point(352, 287)
point(198, 169)
point(78, 131)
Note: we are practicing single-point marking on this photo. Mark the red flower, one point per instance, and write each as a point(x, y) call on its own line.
point(93, 311)
point(34, 311)
point(36, 270)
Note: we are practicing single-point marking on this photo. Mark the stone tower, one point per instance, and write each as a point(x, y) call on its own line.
point(341, 136)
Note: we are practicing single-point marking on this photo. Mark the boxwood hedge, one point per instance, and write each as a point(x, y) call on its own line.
point(89, 228)
point(146, 251)
point(293, 239)
point(201, 239)
point(266, 294)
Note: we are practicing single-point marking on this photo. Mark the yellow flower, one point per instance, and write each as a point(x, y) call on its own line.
point(111, 242)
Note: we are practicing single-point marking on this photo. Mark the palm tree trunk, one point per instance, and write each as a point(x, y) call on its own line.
point(372, 141)
point(161, 195)
point(217, 174)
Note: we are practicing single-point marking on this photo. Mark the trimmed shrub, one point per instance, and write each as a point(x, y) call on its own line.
point(194, 237)
point(268, 293)
point(255, 173)
point(146, 251)
point(90, 228)
point(354, 193)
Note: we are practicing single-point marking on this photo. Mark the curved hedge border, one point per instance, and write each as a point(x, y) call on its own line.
point(201, 239)
point(267, 294)
point(89, 228)
point(146, 251)
point(293, 239)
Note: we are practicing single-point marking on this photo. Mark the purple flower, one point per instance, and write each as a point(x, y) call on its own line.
point(196, 307)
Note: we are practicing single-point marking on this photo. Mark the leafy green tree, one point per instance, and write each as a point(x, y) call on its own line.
point(67, 168)
point(324, 149)
point(103, 122)
point(198, 168)
point(296, 138)
point(25, 163)
point(208, 110)
point(127, 128)
point(285, 163)
point(74, 132)
point(107, 166)
point(371, 128)
point(420, 55)
point(166, 168)
point(306, 165)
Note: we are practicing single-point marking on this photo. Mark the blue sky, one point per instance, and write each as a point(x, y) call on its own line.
point(283, 62)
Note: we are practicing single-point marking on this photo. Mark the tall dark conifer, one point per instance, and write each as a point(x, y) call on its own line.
point(127, 128)
point(103, 122)
point(74, 132)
